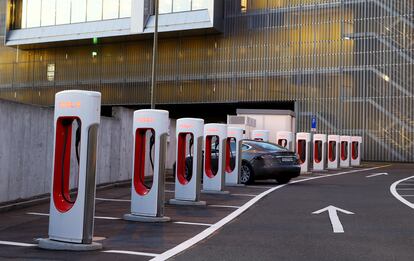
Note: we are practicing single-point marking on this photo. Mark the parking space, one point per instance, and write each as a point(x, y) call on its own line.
point(350, 215)
point(192, 226)
point(116, 235)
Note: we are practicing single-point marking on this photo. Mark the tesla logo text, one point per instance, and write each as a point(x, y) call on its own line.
point(69, 104)
point(145, 120)
point(212, 130)
point(186, 126)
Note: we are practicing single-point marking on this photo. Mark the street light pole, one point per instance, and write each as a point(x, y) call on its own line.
point(154, 57)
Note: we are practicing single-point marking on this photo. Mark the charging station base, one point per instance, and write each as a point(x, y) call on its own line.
point(186, 202)
point(49, 244)
point(220, 192)
point(146, 219)
point(235, 185)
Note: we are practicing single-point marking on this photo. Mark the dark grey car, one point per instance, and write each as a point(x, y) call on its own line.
point(260, 160)
point(264, 160)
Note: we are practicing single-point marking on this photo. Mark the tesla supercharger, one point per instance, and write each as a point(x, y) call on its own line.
point(188, 165)
point(215, 140)
point(286, 139)
point(356, 143)
point(334, 145)
point(150, 132)
point(260, 135)
point(345, 157)
point(233, 156)
point(76, 122)
point(303, 150)
point(319, 152)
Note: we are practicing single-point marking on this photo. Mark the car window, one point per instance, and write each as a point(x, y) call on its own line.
point(232, 144)
point(215, 143)
point(269, 146)
point(245, 147)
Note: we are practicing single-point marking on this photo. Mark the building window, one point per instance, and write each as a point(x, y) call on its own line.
point(243, 5)
point(2, 18)
point(38, 13)
point(110, 9)
point(33, 11)
point(62, 13)
point(173, 6)
point(124, 8)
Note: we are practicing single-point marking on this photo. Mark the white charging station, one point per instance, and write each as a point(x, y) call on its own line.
point(71, 220)
point(215, 140)
point(303, 150)
point(334, 145)
point(189, 134)
point(345, 159)
point(233, 156)
point(150, 132)
point(286, 139)
point(356, 143)
point(319, 152)
point(260, 135)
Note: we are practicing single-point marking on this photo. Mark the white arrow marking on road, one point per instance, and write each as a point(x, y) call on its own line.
point(333, 216)
point(378, 174)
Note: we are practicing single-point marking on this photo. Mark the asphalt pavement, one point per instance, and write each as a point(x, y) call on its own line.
point(348, 214)
point(282, 226)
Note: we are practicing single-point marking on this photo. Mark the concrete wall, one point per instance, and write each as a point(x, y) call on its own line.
point(26, 149)
point(272, 122)
point(26, 136)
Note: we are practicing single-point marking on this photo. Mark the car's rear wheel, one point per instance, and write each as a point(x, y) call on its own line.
point(283, 180)
point(246, 173)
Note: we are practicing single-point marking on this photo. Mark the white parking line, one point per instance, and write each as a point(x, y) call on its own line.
point(211, 230)
point(169, 191)
point(114, 218)
point(405, 188)
point(37, 214)
point(393, 190)
point(377, 174)
point(46, 214)
point(20, 244)
point(108, 218)
point(192, 223)
point(244, 195)
point(25, 202)
point(10, 243)
point(262, 187)
point(223, 206)
point(407, 195)
point(130, 253)
point(113, 199)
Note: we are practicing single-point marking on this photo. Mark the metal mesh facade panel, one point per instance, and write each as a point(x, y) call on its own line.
point(350, 63)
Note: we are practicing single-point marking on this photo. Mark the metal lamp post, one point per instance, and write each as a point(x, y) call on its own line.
point(154, 57)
